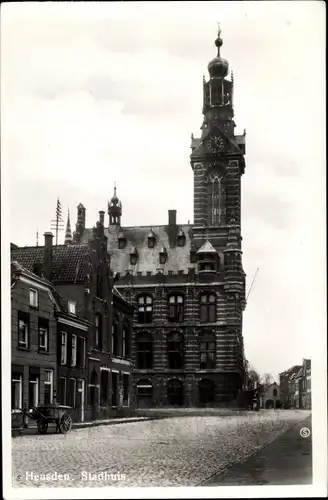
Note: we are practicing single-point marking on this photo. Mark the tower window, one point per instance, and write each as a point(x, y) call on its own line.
point(207, 308)
point(207, 351)
point(144, 351)
point(176, 308)
point(175, 351)
point(145, 309)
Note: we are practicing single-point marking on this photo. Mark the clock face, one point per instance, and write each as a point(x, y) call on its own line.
point(215, 144)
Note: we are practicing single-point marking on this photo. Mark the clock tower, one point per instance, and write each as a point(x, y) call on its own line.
point(217, 157)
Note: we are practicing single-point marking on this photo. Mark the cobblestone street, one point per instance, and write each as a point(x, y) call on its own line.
point(183, 451)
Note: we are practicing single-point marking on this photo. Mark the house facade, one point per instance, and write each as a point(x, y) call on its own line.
point(295, 386)
point(186, 281)
point(270, 396)
point(33, 341)
point(94, 331)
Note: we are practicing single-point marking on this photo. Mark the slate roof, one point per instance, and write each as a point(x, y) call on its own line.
point(178, 258)
point(67, 260)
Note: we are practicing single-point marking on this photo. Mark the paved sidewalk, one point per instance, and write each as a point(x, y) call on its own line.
point(285, 461)
point(32, 429)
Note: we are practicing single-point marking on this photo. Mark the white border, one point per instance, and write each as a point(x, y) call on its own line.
point(319, 372)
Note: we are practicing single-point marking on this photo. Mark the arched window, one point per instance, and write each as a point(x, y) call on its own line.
point(206, 391)
point(176, 308)
point(175, 351)
point(175, 392)
point(145, 309)
point(207, 307)
point(207, 351)
point(275, 393)
point(144, 351)
point(144, 394)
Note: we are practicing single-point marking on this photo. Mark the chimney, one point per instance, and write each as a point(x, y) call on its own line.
point(102, 217)
point(172, 217)
point(47, 259)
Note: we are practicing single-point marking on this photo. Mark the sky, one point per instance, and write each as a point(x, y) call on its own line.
point(97, 93)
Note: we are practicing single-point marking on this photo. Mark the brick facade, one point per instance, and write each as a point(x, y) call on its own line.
point(32, 364)
point(189, 260)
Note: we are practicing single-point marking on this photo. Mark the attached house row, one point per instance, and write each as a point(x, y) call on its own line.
point(295, 386)
point(71, 330)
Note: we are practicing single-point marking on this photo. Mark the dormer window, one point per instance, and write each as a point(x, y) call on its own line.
point(163, 255)
point(151, 239)
point(207, 258)
point(133, 256)
point(72, 307)
point(181, 238)
point(121, 241)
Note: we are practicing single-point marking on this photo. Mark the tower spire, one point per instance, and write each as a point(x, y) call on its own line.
point(68, 233)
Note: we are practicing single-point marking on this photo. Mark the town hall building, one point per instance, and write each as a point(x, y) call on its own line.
point(186, 281)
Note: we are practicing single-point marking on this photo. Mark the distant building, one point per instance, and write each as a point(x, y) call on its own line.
point(270, 396)
point(287, 386)
point(295, 386)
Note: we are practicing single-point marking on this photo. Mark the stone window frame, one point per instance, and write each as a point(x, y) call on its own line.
point(207, 308)
point(175, 347)
point(176, 307)
point(145, 304)
point(207, 347)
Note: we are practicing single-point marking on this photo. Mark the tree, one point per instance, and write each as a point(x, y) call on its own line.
point(253, 375)
point(266, 380)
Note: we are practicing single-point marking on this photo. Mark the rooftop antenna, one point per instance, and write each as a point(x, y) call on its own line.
point(58, 224)
point(250, 288)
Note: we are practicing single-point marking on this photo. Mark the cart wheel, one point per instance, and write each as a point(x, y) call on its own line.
point(65, 423)
point(42, 427)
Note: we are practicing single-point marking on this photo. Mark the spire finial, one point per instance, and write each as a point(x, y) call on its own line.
point(37, 237)
point(218, 41)
point(231, 76)
point(114, 188)
point(68, 233)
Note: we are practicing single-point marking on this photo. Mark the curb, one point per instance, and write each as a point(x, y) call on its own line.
point(33, 430)
point(115, 421)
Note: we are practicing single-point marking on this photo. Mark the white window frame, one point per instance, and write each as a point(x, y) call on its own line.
point(65, 393)
point(72, 307)
point(37, 383)
point(63, 352)
point(25, 342)
point(33, 294)
point(44, 348)
point(20, 382)
point(74, 350)
point(49, 382)
point(75, 385)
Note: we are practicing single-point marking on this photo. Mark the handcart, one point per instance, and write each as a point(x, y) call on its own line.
point(52, 413)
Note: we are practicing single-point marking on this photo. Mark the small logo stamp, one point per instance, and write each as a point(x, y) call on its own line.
point(305, 432)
